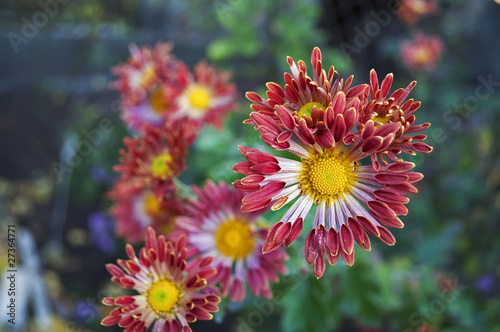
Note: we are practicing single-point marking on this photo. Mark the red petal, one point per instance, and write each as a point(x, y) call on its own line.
point(282, 232)
point(346, 239)
point(310, 249)
point(371, 144)
point(381, 209)
point(319, 266)
point(386, 236)
point(368, 226)
point(110, 320)
point(286, 118)
point(388, 195)
point(349, 259)
point(294, 232)
point(391, 178)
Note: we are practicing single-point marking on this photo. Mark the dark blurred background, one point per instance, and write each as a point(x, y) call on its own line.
point(443, 274)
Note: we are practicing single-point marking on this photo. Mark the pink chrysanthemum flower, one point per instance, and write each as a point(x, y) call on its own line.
point(146, 68)
point(153, 160)
point(216, 227)
point(135, 209)
point(304, 96)
point(207, 96)
point(411, 11)
point(172, 291)
point(351, 199)
point(423, 53)
point(382, 110)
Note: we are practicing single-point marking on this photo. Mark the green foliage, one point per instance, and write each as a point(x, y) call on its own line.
point(271, 30)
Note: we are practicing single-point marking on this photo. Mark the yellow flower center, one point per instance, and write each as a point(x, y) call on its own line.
point(326, 176)
point(421, 55)
point(159, 165)
point(382, 120)
point(307, 108)
point(234, 239)
point(148, 75)
point(157, 101)
point(199, 97)
point(418, 6)
point(162, 296)
point(152, 205)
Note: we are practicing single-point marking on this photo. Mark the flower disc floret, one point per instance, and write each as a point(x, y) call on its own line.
point(234, 238)
point(325, 176)
point(162, 296)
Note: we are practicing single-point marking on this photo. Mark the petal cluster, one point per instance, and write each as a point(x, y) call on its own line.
point(182, 298)
point(383, 111)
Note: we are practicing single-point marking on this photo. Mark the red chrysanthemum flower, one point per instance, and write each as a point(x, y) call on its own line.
point(304, 96)
point(216, 227)
point(411, 11)
point(381, 110)
point(172, 291)
point(154, 160)
point(150, 84)
point(207, 96)
point(147, 67)
point(157, 106)
point(135, 209)
point(422, 53)
point(351, 199)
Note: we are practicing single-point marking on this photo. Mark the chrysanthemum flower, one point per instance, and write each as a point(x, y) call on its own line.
point(146, 68)
point(216, 227)
point(411, 11)
point(381, 110)
point(150, 84)
point(153, 160)
point(208, 95)
point(155, 107)
point(172, 291)
point(351, 199)
point(423, 53)
point(135, 209)
point(304, 96)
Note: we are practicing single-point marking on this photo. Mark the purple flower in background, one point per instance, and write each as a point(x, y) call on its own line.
point(101, 230)
point(98, 175)
point(85, 311)
point(484, 283)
